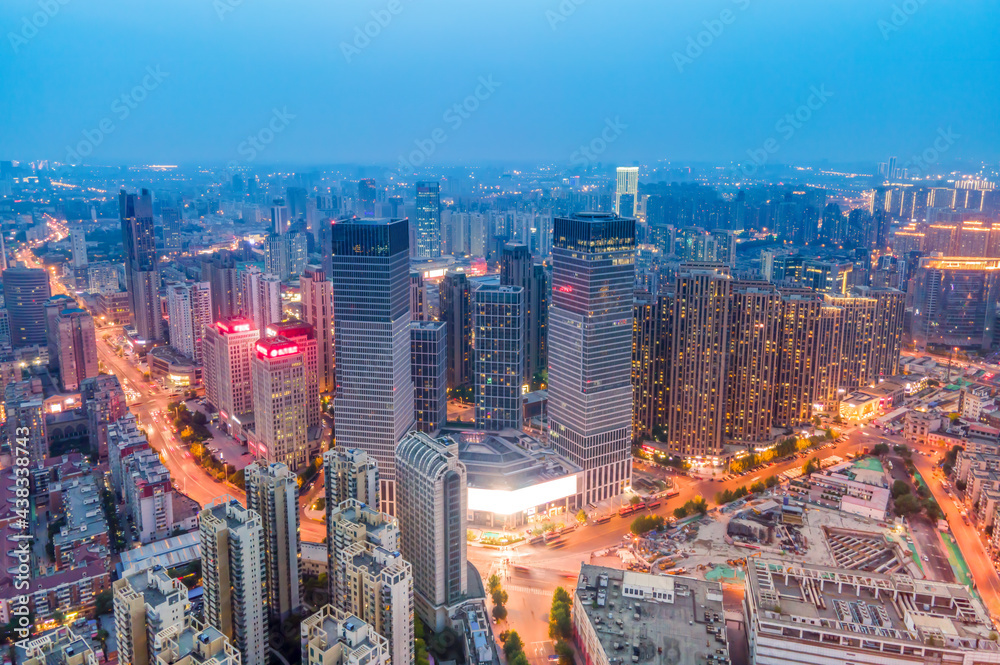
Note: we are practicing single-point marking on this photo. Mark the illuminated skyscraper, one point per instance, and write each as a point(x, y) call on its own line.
point(142, 276)
point(754, 343)
point(699, 348)
point(374, 403)
point(304, 335)
point(590, 344)
point(429, 349)
point(228, 347)
point(498, 365)
point(261, 297)
point(627, 190)
point(428, 221)
point(279, 403)
point(517, 268)
point(26, 290)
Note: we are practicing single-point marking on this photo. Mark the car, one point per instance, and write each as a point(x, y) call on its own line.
point(553, 658)
point(926, 558)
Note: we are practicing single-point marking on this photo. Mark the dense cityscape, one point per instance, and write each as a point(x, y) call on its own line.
point(378, 335)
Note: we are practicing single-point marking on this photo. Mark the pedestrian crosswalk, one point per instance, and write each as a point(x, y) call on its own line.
point(527, 589)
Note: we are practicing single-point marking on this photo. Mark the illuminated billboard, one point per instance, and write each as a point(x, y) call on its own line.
point(510, 502)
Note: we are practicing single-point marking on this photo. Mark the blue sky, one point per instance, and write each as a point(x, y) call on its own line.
point(898, 72)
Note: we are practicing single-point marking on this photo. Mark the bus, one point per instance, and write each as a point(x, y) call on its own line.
point(653, 503)
point(672, 492)
point(603, 520)
point(625, 511)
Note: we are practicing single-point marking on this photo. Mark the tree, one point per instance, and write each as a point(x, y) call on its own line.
point(560, 624)
point(565, 653)
point(907, 505)
point(772, 481)
point(581, 517)
point(758, 487)
point(810, 467)
point(680, 512)
point(499, 597)
point(493, 584)
point(103, 602)
point(519, 659)
point(960, 485)
point(646, 523)
point(512, 645)
point(561, 595)
point(634, 500)
point(420, 652)
point(932, 509)
point(499, 612)
point(899, 488)
point(58, 616)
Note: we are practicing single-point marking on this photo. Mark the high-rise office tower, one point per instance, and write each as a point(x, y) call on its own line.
point(171, 229)
point(145, 603)
point(298, 253)
point(366, 197)
point(432, 522)
point(4, 328)
point(261, 297)
point(374, 404)
point(190, 309)
point(317, 310)
point(499, 356)
point(228, 348)
point(857, 340)
point(517, 268)
point(429, 365)
point(809, 361)
point(890, 310)
point(219, 270)
point(699, 347)
point(332, 637)
point(278, 377)
point(273, 493)
point(77, 348)
point(349, 473)
point(279, 217)
point(26, 290)
point(54, 306)
point(456, 312)
point(428, 221)
point(276, 256)
point(78, 250)
point(103, 277)
point(234, 577)
point(142, 276)
point(954, 302)
point(304, 335)
point(754, 344)
point(590, 344)
point(627, 190)
point(296, 198)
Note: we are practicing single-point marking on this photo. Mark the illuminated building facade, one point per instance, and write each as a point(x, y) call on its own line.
point(278, 376)
point(954, 302)
point(499, 356)
point(590, 349)
point(229, 345)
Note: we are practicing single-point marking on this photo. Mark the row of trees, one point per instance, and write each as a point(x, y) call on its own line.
point(646, 523)
point(561, 625)
point(499, 596)
point(728, 496)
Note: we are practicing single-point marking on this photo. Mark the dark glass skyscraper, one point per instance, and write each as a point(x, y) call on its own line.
point(370, 271)
point(142, 277)
point(26, 290)
point(590, 348)
point(428, 221)
point(366, 197)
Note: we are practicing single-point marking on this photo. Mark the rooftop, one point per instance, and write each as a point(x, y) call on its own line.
point(654, 619)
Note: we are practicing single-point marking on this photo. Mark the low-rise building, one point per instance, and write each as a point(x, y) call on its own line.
point(145, 603)
point(193, 643)
point(58, 647)
point(623, 616)
point(816, 615)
